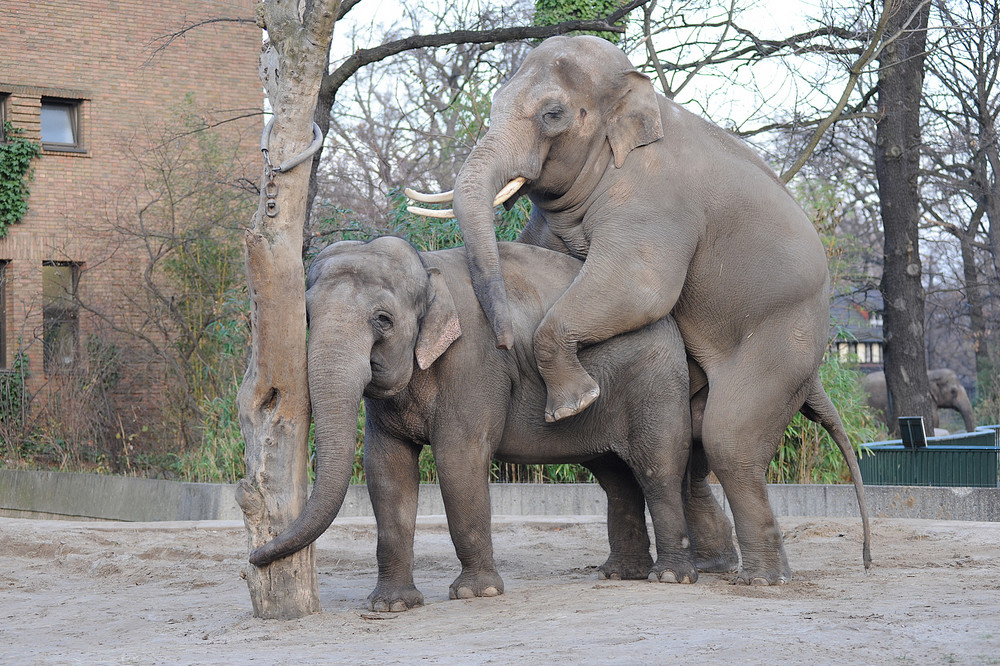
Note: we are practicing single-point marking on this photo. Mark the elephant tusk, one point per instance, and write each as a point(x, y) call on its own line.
point(428, 212)
point(508, 190)
point(503, 195)
point(442, 197)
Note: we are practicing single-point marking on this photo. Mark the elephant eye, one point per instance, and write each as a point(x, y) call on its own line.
point(382, 322)
point(553, 115)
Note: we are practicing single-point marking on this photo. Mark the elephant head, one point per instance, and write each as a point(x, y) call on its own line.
point(947, 391)
point(575, 108)
point(374, 311)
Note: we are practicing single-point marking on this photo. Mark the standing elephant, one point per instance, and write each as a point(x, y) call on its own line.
point(404, 329)
point(671, 215)
point(946, 391)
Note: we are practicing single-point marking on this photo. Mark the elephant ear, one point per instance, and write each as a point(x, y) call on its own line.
point(937, 386)
point(636, 120)
point(440, 326)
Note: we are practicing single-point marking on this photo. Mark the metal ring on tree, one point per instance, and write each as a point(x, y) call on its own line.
point(298, 159)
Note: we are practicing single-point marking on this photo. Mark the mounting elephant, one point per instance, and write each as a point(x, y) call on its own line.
point(404, 330)
point(946, 391)
point(671, 215)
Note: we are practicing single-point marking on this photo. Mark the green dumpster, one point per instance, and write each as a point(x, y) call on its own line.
point(967, 459)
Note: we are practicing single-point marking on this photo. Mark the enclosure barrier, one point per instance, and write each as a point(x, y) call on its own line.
point(31, 494)
point(968, 460)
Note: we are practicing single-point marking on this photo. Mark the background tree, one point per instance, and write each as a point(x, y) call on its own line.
point(897, 168)
point(962, 197)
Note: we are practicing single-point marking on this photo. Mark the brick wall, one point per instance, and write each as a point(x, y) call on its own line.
point(107, 56)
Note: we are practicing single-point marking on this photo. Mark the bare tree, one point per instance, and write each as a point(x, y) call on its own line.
point(897, 167)
point(409, 121)
point(962, 104)
point(274, 397)
point(490, 30)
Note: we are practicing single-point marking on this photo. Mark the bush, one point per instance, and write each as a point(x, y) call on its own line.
point(807, 454)
point(14, 409)
point(219, 459)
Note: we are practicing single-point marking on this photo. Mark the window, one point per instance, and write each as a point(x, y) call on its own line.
point(3, 116)
point(3, 315)
point(848, 351)
point(60, 316)
point(60, 124)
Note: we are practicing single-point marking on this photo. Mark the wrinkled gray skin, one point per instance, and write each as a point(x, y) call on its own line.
point(405, 331)
point(672, 215)
point(946, 391)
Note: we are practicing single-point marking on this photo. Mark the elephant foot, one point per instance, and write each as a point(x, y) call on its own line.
point(722, 558)
point(394, 599)
point(674, 570)
point(669, 576)
point(764, 568)
point(626, 567)
point(761, 577)
point(467, 586)
point(719, 563)
point(571, 400)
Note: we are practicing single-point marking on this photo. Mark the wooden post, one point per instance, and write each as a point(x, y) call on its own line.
point(273, 399)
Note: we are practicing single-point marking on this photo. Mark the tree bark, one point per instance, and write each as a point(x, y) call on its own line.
point(273, 399)
point(897, 162)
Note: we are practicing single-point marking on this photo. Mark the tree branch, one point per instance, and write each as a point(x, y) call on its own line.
point(165, 41)
point(362, 57)
point(855, 74)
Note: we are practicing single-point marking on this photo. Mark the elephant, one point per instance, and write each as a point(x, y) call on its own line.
point(946, 391)
point(404, 330)
point(671, 215)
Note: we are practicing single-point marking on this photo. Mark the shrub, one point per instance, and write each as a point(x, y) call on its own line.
point(807, 454)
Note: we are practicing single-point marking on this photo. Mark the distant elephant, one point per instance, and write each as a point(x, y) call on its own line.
point(671, 215)
point(946, 391)
point(404, 329)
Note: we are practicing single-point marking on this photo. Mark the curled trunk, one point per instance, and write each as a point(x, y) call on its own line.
point(337, 378)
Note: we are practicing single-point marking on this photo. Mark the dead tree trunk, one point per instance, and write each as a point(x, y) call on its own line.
point(273, 399)
point(897, 166)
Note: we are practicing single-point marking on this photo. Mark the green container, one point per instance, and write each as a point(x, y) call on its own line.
point(967, 460)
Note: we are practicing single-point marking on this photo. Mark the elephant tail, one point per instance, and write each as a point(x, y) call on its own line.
point(819, 408)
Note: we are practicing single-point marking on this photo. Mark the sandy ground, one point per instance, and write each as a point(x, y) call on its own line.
point(98, 592)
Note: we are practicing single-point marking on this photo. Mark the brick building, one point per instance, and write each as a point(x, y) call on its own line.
point(96, 84)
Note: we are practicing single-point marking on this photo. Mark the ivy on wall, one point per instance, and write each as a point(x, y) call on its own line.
point(550, 12)
point(16, 154)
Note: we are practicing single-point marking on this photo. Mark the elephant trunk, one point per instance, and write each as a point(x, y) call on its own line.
point(475, 187)
point(339, 370)
point(964, 407)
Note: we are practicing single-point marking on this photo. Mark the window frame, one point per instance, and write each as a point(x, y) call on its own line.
point(71, 313)
point(75, 107)
point(3, 115)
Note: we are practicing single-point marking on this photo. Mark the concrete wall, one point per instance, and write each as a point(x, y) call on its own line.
point(26, 494)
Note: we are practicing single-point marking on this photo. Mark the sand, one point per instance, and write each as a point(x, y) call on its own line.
point(165, 593)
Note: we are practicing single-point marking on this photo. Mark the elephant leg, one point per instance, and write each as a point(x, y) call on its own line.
point(741, 431)
point(537, 232)
point(463, 472)
point(605, 299)
point(710, 529)
point(393, 478)
point(659, 469)
point(627, 533)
